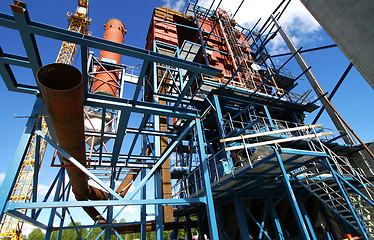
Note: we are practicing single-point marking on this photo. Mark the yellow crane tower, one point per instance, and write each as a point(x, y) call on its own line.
point(22, 192)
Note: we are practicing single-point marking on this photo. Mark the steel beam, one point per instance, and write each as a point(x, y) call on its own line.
point(14, 167)
point(275, 220)
point(99, 43)
point(77, 164)
point(168, 151)
point(206, 180)
point(241, 219)
point(307, 221)
point(185, 90)
point(292, 199)
point(22, 20)
point(104, 203)
point(315, 84)
point(140, 107)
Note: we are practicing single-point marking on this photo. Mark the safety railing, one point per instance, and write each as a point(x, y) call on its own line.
point(234, 156)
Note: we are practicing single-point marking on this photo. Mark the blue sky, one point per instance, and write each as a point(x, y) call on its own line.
point(353, 100)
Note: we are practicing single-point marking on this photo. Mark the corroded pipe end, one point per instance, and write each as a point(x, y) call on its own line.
point(59, 76)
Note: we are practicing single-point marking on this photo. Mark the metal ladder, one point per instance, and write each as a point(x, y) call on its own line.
point(341, 193)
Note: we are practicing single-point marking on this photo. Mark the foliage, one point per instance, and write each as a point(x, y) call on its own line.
point(36, 234)
point(71, 234)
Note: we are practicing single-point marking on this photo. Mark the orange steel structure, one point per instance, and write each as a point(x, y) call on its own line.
point(106, 82)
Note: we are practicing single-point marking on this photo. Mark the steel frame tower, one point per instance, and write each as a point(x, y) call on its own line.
point(234, 134)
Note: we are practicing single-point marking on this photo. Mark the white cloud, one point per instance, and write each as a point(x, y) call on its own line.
point(175, 5)
point(298, 22)
point(27, 229)
point(130, 213)
point(2, 176)
point(42, 191)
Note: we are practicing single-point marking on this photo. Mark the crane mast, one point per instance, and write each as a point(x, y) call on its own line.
point(22, 192)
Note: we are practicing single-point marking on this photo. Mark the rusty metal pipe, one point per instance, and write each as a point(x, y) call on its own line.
point(62, 90)
point(106, 80)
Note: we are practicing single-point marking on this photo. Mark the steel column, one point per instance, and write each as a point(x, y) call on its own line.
point(242, 221)
point(212, 222)
point(275, 221)
point(304, 212)
point(292, 199)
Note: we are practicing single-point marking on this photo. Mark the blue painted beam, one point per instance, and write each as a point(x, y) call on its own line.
point(36, 172)
point(168, 151)
point(140, 81)
point(254, 220)
point(61, 178)
point(26, 218)
point(241, 219)
point(99, 43)
point(347, 200)
point(14, 167)
point(77, 164)
point(22, 19)
point(8, 76)
point(275, 220)
point(15, 60)
point(211, 31)
point(206, 181)
point(232, 76)
point(84, 61)
point(141, 127)
point(201, 37)
point(104, 203)
point(140, 107)
point(303, 231)
point(102, 130)
point(123, 119)
point(186, 88)
point(239, 113)
point(307, 220)
point(302, 152)
point(262, 230)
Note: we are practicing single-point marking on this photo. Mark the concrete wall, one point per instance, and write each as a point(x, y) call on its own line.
point(350, 23)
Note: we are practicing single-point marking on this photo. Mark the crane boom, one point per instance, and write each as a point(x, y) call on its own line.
point(22, 192)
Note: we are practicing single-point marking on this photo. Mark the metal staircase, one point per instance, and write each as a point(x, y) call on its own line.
point(348, 193)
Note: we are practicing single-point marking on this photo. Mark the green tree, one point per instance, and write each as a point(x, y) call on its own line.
point(95, 232)
point(71, 234)
point(36, 234)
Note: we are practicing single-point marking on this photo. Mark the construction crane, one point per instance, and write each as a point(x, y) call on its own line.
point(22, 193)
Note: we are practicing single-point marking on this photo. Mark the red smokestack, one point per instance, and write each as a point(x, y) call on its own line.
point(106, 83)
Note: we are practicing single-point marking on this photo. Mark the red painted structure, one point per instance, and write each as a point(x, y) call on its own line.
point(106, 81)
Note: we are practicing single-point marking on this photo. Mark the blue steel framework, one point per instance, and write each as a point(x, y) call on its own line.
point(235, 148)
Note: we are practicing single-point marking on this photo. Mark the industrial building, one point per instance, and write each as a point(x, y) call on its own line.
point(209, 133)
